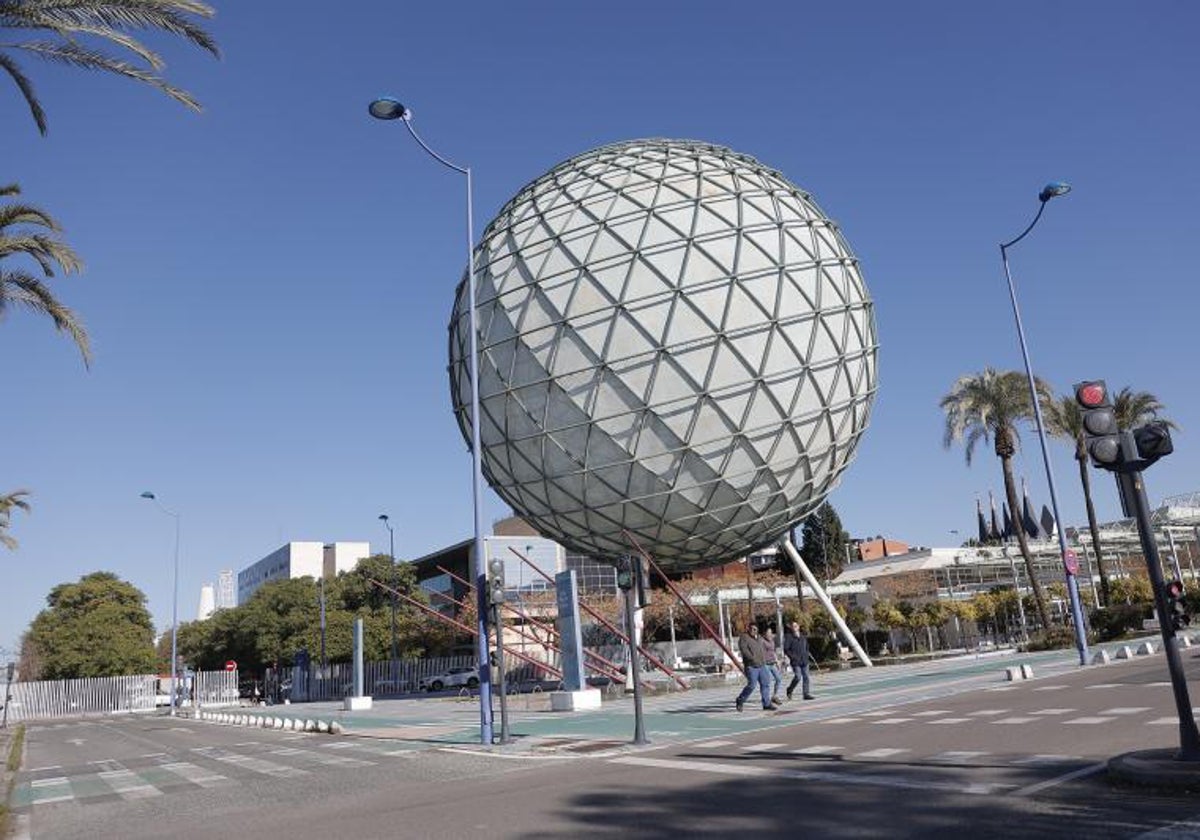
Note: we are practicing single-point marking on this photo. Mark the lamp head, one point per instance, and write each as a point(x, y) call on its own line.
point(388, 108)
point(384, 517)
point(1053, 190)
point(148, 495)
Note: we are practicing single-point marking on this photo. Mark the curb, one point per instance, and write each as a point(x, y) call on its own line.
point(1155, 769)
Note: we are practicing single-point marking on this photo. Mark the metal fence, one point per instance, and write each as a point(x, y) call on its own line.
point(335, 681)
point(52, 699)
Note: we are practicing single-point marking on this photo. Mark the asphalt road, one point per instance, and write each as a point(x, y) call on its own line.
point(1014, 760)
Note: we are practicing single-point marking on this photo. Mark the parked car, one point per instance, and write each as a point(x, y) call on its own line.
point(453, 678)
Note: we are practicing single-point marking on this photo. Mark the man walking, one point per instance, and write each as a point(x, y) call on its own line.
point(771, 665)
point(795, 648)
point(751, 650)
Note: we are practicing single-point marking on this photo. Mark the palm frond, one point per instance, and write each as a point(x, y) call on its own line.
point(26, 87)
point(18, 288)
point(166, 15)
point(89, 59)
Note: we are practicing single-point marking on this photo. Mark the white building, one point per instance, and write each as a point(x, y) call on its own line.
point(301, 559)
point(208, 602)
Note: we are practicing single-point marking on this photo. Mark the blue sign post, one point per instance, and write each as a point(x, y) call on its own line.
point(567, 594)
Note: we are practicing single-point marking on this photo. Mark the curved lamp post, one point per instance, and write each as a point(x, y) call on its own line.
point(388, 108)
point(391, 556)
point(174, 605)
point(1052, 190)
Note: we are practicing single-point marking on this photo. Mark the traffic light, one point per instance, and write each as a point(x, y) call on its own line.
point(1153, 441)
point(624, 565)
point(1101, 435)
point(1177, 613)
point(495, 581)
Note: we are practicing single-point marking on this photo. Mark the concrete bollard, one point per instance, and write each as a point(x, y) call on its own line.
point(1027, 672)
point(1101, 657)
point(323, 726)
point(335, 728)
point(276, 723)
point(1185, 641)
point(1124, 652)
point(308, 726)
point(1145, 649)
point(1013, 674)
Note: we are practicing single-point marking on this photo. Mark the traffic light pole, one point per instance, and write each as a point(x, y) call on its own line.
point(1135, 490)
point(639, 727)
point(505, 736)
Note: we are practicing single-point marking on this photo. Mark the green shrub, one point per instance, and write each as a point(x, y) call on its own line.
point(1053, 639)
point(1118, 620)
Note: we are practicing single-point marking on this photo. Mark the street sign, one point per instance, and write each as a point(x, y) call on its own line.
point(1071, 561)
point(230, 665)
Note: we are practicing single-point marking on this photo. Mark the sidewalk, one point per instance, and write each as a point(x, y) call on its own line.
point(420, 722)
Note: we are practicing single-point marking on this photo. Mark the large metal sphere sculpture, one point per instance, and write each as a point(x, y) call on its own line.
point(675, 342)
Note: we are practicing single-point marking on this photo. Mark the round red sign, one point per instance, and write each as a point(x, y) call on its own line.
point(1071, 561)
point(230, 665)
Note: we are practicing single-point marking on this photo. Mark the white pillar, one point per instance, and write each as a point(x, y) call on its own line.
point(824, 599)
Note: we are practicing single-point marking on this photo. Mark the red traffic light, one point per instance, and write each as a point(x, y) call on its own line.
point(1091, 394)
point(1175, 589)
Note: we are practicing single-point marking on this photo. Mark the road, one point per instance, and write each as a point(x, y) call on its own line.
point(1002, 759)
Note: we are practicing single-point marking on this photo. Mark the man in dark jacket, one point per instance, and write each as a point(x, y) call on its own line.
point(795, 648)
point(751, 650)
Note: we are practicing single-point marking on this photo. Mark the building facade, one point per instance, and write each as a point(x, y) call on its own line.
point(300, 559)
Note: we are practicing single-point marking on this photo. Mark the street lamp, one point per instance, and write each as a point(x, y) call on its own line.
point(1070, 565)
point(174, 605)
point(392, 556)
point(388, 108)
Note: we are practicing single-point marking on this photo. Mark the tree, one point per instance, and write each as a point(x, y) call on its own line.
point(82, 34)
point(97, 627)
point(8, 503)
point(28, 231)
point(988, 407)
point(1064, 419)
point(823, 542)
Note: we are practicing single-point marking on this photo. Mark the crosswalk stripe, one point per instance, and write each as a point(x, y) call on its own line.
point(1016, 719)
point(761, 747)
point(931, 713)
point(1087, 720)
point(818, 749)
point(1052, 712)
point(129, 784)
point(841, 720)
point(1163, 720)
point(891, 721)
point(194, 773)
point(312, 755)
point(957, 755)
point(255, 765)
point(1050, 688)
point(706, 745)
point(1126, 710)
point(988, 712)
point(952, 720)
point(1046, 759)
point(882, 752)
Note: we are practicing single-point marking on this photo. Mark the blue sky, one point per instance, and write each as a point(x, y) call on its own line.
point(268, 283)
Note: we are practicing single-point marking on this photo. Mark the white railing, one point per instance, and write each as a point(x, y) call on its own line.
point(52, 699)
point(336, 680)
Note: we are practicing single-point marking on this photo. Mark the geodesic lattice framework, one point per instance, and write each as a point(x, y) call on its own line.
point(674, 340)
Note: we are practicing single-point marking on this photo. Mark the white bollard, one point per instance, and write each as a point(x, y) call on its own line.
point(1145, 649)
point(335, 728)
point(1101, 657)
point(1185, 641)
point(323, 726)
point(1013, 674)
point(277, 723)
point(1027, 672)
point(1124, 652)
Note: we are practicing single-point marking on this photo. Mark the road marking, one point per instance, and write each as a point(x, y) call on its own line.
point(987, 712)
point(1091, 770)
point(129, 785)
point(255, 765)
point(47, 767)
point(1018, 719)
point(1052, 712)
point(957, 756)
point(883, 713)
point(1163, 720)
point(1104, 685)
point(887, 721)
point(712, 744)
point(153, 755)
point(57, 780)
point(819, 749)
point(195, 774)
point(339, 745)
point(343, 760)
point(931, 713)
point(1185, 830)
point(838, 778)
point(1126, 710)
point(1050, 688)
point(841, 720)
point(1087, 720)
point(243, 743)
point(762, 747)
point(882, 752)
point(952, 720)
point(45, 791)
point(1046, 759)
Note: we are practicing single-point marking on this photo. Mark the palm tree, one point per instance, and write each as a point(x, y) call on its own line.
point(26, 230)
point(988, 406)
point(82, 33)
point(1064, 419)
point(9, 502)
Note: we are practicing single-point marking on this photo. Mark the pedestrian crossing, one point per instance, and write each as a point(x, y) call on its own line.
point(908, 754)
point(998, 717)
point(157, 774)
